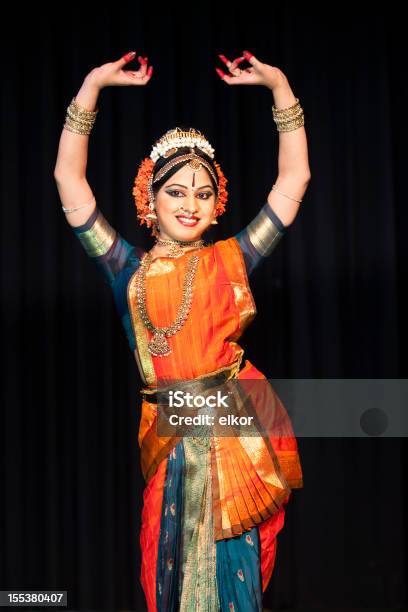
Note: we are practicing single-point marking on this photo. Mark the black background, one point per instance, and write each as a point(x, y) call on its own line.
point(330, 299)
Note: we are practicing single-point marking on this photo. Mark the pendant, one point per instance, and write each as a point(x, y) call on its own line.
point(175, 251)
point(158, 345)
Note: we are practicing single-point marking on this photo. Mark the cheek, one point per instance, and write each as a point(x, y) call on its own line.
point(209, 209)
point(166, 206)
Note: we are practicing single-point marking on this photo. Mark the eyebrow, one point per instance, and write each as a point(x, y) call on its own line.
point(179, 185)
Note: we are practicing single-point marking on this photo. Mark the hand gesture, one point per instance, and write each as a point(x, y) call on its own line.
point(112, 73)
point(258, 74)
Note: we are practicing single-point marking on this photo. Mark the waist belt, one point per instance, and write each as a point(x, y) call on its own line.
point(194, 385)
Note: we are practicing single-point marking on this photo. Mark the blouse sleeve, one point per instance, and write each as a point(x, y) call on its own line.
point(258, 239)
point(104, 245)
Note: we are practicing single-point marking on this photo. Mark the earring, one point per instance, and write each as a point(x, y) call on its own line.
point(152, 214)
point(214, 222)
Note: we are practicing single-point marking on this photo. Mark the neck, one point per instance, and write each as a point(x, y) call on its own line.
point(171, 245)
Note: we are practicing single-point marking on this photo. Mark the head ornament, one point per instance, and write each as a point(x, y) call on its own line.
point(165, 147)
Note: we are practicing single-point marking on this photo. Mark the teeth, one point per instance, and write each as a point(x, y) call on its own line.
point(188, 221)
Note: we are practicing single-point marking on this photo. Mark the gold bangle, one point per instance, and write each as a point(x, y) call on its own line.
point(290, 118)
point(76, 127)
point(79, 119)
point(290, 110)
point(288, 126)
point(80, 110)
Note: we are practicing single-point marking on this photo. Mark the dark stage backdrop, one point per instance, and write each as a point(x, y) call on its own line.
point(330, 299)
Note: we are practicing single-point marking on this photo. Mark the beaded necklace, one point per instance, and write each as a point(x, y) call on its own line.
point(158, 345)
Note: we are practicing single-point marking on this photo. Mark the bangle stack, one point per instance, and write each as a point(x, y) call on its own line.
point(78, 119)
point(288, 119)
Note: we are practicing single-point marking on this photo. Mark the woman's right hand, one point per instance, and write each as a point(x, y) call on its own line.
point(112, 73)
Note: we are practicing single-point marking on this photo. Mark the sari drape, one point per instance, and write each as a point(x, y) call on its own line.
point(241, 483)
point(212, 507)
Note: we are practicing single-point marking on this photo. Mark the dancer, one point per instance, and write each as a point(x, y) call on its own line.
point(213, 505)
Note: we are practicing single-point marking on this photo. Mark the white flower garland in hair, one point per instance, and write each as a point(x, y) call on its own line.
point(176, 138)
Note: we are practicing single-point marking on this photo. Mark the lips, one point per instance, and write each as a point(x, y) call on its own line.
point(188, 221)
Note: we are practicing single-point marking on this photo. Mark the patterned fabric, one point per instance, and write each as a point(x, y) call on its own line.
point(117, 260)
point(226, 575)
point(198, 553)
point(239, 572)
point(198, 586)
point(169, 553)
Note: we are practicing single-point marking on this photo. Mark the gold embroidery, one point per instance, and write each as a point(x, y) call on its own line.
point(145, 360)
point(198, 583)
point(98, 239)
point(245, 304)
point(160, 266)
point(244, 300)
point(139, 365)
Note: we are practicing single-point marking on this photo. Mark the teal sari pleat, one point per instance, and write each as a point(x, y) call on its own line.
point(169, 551)
point(239, 575)
point(238, 581)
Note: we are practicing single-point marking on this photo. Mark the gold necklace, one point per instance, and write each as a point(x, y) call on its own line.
point(176, 249)
point(158, 345)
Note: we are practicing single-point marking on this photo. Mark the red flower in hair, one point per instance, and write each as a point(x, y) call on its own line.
point(140, 191)
point(222, 192)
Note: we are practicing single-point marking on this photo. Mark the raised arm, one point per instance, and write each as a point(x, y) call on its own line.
point(99, 239)
point(265, 231)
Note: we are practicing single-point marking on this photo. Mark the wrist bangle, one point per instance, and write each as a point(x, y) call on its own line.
point(288, 119)
point(79, 119)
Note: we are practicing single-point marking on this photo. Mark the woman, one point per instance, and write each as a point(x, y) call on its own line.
point(213, 505)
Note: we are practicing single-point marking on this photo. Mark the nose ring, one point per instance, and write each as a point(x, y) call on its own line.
point(181, 207)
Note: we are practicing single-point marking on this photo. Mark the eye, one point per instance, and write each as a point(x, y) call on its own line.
point(205, 193)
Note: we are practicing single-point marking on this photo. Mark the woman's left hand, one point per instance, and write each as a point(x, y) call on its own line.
point(259, 74)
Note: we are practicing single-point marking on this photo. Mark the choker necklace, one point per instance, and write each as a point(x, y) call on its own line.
point(176, 249)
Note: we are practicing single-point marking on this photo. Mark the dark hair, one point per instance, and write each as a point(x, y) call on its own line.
point(162, 161)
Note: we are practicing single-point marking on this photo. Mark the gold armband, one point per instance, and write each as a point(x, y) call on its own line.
point(263, 233)
point(98, 239)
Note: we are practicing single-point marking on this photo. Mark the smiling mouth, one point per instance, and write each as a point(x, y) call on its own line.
point(187, 220)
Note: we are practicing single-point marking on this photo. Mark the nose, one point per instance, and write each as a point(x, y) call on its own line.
point(191, 205)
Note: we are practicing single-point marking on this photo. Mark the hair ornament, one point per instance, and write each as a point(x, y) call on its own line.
point(166, 146)
point(173, 139)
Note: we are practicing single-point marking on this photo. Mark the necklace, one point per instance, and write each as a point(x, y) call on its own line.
point(176, 249)
point(158, 345)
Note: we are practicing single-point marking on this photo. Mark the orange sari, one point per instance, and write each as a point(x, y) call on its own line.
point(222, 308)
